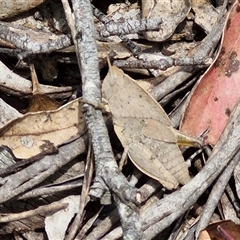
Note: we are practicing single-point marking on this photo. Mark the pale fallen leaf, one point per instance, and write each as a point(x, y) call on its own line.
point(33, 133)
point(205, 14)
point(171, 12)
point(144, 129)
point(204, 236)
point(57, 223)
point(12, 8)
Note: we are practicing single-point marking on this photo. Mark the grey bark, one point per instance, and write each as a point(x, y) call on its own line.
point(32, 41)
point(108, 176)
point(20, 182)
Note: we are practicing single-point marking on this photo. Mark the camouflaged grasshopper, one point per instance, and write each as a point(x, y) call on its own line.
point(145, 130)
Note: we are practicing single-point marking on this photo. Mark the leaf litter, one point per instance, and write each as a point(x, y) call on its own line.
point(50, 126)
point(34, 133)
point(148, 132)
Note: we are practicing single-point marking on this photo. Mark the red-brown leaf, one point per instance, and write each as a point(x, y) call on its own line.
point(219, 89)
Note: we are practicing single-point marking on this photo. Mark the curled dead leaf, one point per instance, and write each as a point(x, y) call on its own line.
point(32, 133)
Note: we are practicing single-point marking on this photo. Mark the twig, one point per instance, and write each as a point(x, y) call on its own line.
point(32, 41)
point(44, 191)
point(13, 84)
point(130, 26)
point(84, 199)
point(88, 225)
point(117, 232)
point(29, 177)
point(207, 45)
point(104, 226)
point(107, 174)
point(163, 63)
point(216, 194)
point(128, 42)
point(46, 209)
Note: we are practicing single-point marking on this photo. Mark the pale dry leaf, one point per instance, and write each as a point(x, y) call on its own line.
point(33, 133)
point(144, 129)
point(205, 14)
point(57, 223)
point(7, 113)
point(171, 12)
point(12, 8)
point(204, 236)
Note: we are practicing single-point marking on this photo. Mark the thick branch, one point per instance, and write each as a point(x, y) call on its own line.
point(106, 167)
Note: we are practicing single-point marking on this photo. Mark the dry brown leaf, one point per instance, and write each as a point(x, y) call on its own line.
point(33, 133)
point(144, 129)
point(39, 101)
point(220, 231)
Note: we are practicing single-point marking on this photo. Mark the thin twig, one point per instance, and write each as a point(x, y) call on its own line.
point(34, 174)
point(215, 195)
point(84, 195)
point(46, 209)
